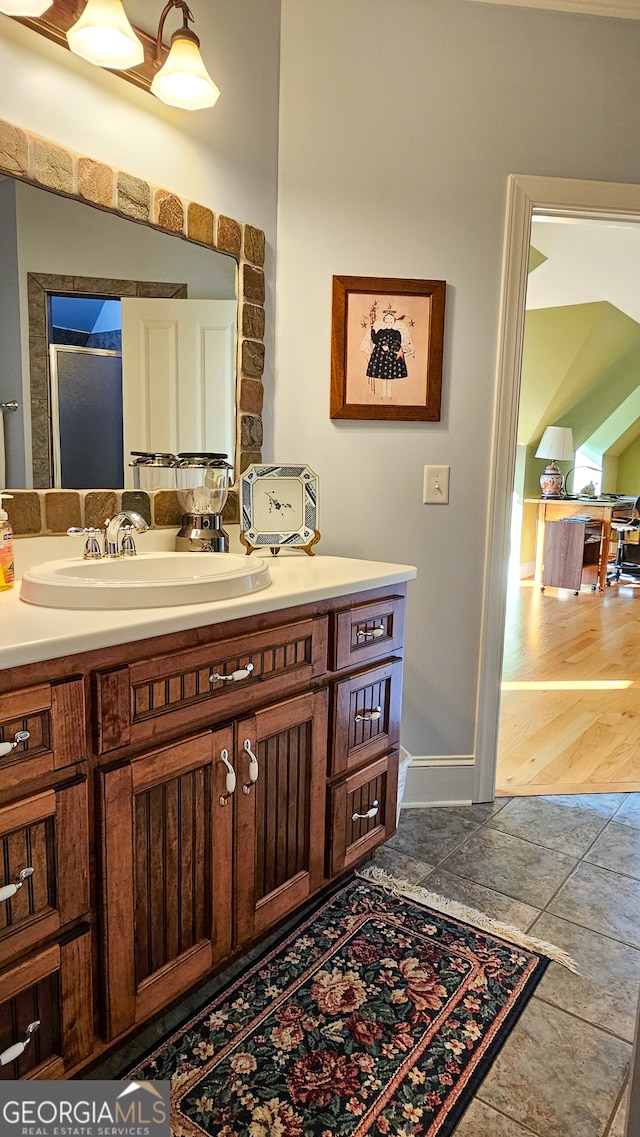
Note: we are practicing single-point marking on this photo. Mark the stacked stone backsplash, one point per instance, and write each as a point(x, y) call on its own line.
point(47, 513)
point(33, 159)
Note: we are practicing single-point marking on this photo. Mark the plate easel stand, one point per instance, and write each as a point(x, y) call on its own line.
point(275, 549)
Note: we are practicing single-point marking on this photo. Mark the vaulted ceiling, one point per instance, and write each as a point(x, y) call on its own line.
point(581, 363)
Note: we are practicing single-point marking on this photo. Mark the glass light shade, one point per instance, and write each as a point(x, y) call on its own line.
point(183, 80)
point(24, 7)
point(104, 36)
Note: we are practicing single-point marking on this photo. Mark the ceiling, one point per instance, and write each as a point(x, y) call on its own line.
point(618, 9)
point(586, 262)
point(581, 363)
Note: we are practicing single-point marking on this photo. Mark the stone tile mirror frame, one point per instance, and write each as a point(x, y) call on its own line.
point(31, 158)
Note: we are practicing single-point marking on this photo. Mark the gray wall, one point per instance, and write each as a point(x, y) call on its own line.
point(399, 125)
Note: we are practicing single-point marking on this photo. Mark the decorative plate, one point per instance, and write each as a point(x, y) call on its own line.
point(279, 507)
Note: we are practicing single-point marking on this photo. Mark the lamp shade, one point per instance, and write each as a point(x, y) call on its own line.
point(183, 80)
point(104, 36)
point(556, 444)
point(24, 7)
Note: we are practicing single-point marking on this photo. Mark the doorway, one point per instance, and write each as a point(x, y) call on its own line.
point(527, 196)
point(569, 685)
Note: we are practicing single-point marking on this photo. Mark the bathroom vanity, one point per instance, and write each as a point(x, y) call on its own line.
point(192, 776)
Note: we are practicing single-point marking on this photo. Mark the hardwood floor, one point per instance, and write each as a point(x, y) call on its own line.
point(570, 714)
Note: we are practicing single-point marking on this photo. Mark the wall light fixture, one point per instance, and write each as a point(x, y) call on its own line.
point(104, 36)
point(99, 31)
point(183, 80)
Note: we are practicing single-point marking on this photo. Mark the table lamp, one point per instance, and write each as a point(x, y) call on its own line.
point(556, 445)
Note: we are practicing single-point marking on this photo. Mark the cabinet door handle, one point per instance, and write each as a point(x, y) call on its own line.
point(370, 812)
point(10, 890)
point(370, 633)
point(369, 716)
point(253, 767)
point(231, 777)
point(235, 676)
point(7, 747)
point(18, 1048)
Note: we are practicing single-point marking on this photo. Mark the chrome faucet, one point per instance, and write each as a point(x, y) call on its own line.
point(123, 523)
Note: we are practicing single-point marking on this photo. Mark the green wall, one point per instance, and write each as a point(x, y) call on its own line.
point(628, 480)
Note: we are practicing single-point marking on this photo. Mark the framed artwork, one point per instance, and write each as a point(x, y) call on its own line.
point(386, 348)
point(279, 507)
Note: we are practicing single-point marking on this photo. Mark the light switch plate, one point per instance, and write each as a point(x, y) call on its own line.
point(436, 485)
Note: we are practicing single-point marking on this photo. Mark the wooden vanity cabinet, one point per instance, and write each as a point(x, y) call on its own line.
point(218, 780)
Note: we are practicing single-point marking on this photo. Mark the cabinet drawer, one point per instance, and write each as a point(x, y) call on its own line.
point(366, 715)
point(362, 812)
point(52, 988)
point(53, 716)
point(47, 833)
point(157, 696)
point(367, 631)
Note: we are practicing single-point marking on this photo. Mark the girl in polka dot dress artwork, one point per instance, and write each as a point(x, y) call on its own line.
point(386, 343)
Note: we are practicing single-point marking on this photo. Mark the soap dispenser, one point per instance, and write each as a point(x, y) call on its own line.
point(6, 548)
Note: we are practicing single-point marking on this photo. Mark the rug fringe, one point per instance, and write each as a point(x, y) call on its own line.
point(373, 874)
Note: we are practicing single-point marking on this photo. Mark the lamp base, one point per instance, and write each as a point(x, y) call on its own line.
point(552, 481)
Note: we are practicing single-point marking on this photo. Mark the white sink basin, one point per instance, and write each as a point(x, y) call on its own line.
point(147, 580)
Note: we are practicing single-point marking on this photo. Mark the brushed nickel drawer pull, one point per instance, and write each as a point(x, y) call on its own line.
point(235, 676)
point(253, 767)
point(370, 633)
point(369, 716)
point(7, 747)
point(370, 812)
point(10, 890)
point(18, 1048)
point(231, 777)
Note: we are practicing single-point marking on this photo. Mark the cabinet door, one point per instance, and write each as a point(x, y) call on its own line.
point(280, 815)
point(362, 812)
point(563, 553)
point(167, 852)
point(44, 866)
point(46, 1003)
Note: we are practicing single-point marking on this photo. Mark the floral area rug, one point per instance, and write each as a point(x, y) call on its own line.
point(376, 1015)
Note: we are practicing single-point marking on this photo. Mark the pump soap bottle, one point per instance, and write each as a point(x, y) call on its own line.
point(6, 548)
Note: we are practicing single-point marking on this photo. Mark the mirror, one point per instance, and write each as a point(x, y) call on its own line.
point(55, 249)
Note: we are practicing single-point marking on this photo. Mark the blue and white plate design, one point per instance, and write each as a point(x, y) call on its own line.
point(279, 505)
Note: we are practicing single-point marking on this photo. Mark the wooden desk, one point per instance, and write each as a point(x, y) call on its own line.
point(600, 509)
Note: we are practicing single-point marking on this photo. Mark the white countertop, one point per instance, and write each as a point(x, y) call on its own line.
point(29, 634)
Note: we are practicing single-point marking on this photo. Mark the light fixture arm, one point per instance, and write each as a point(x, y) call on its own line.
point(185, 31)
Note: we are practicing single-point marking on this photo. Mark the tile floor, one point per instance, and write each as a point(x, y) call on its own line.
point(567, 869)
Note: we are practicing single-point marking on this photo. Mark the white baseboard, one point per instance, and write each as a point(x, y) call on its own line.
point(439, 781)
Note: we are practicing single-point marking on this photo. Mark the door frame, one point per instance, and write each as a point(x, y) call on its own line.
point(526, 194)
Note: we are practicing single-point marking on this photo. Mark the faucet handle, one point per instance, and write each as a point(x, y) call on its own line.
point(127, 545)
point(92, 546)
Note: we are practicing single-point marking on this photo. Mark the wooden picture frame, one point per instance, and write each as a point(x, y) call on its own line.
point(386, 348)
